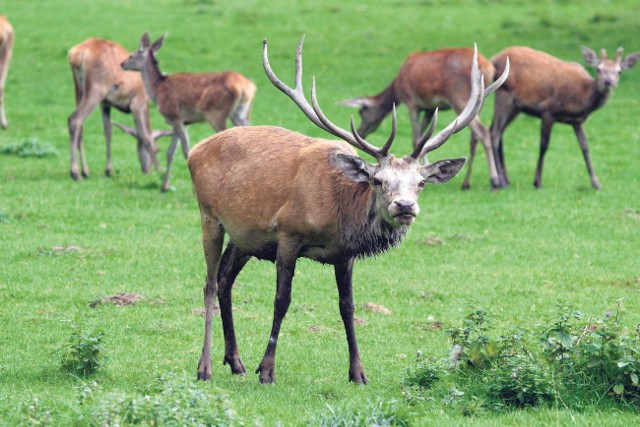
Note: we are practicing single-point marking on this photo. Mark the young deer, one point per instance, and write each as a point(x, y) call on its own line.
point(428, 81)
point(281, 196)
point(543, 86)
point(6, 47)
point(99, 79)
point(186, 98)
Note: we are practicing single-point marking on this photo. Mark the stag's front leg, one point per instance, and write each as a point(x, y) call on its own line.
point(231, 264)
point(212, 239)
point(344, 274)
point(285, 266)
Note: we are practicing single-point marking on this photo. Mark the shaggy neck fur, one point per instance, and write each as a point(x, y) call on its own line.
point(363, 231)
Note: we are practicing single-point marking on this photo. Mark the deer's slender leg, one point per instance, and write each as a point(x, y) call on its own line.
point(231, 264)
point(582, 140)
point(212, 239)
point(344, 274)
point(545, 134)
point(285, 266)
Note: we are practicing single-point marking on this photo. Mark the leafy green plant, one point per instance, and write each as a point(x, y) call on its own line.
point(585, 361)
point(31, 147)
point(84, 354)
point(167, 401)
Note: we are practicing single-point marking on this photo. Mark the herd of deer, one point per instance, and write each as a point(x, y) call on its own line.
point(280, 195)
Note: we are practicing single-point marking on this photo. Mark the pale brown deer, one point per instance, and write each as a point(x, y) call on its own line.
point(280, 195)
point(428, 81)
point(6, 48)
point(185, 98)
point(99, 79)
point(543, 86)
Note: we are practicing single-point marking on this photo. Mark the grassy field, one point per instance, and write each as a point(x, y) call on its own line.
point(517, 252)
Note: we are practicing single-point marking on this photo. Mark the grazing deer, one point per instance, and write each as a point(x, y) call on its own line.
point(98, 79)
point(543, 86)
point(6, 47)
point(427, 81)
point(185, 98)
point(281, 195)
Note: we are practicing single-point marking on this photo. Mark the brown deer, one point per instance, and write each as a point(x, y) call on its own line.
point(543, 86)
point(185, 98)
point(6, 48)
point(428, 81)
point(281, 195)
point(99, 79)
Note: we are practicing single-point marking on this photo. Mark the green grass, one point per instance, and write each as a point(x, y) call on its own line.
point(518, 252)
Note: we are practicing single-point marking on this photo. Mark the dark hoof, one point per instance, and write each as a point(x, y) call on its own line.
point(107, 173)
point(358, 378)
point(204, 376)
point(466, 186)
point(267, 376)
point(237, 368)
point(75, 176)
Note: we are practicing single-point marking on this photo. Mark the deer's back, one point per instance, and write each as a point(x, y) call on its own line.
point(441, 74)
point(96, 64)
point(541, 82)
point(188, 94)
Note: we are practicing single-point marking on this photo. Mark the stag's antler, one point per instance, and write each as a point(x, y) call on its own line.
point(314, 112)
point(427, 143)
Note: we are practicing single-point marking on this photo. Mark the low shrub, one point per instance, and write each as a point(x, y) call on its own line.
point(572, 360)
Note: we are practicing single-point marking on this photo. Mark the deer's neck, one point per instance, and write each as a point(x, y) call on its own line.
point(599, 96)
point(363, 231)
point(388, 97)
point(152, 77)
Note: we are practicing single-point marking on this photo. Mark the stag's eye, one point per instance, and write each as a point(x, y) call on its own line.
point(377, 182)
point(422, 183)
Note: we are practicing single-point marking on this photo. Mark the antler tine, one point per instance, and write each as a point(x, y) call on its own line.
point(352, 138)
point(603, 54)
point(469, 113)
point(619, 55)
point(503, 77)
point(426, 136)
point(394, 128)
point(296, 95)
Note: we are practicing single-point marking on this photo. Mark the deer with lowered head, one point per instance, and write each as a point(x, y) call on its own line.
point(543, 86)
point(6, 48)
point(428, 81)
point(98, 79)
point(185, 98)
point(280, 196)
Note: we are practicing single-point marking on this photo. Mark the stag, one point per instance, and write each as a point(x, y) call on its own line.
point(6, 47)
point(185, 98)
point(428, 81)
point(98, 79)
point(280, 196)
point(543, 86)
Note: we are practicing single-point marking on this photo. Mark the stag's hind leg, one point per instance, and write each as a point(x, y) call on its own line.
point(285, 266)
point(232, 262)
point(212, 239)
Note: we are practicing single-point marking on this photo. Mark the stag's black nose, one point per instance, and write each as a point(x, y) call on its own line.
point(404, 205)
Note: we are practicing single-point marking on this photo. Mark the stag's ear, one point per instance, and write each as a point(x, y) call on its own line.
point(590, 56)
point(442, 171)
point(357, 102)
point(630, 60)
point(354, 167)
